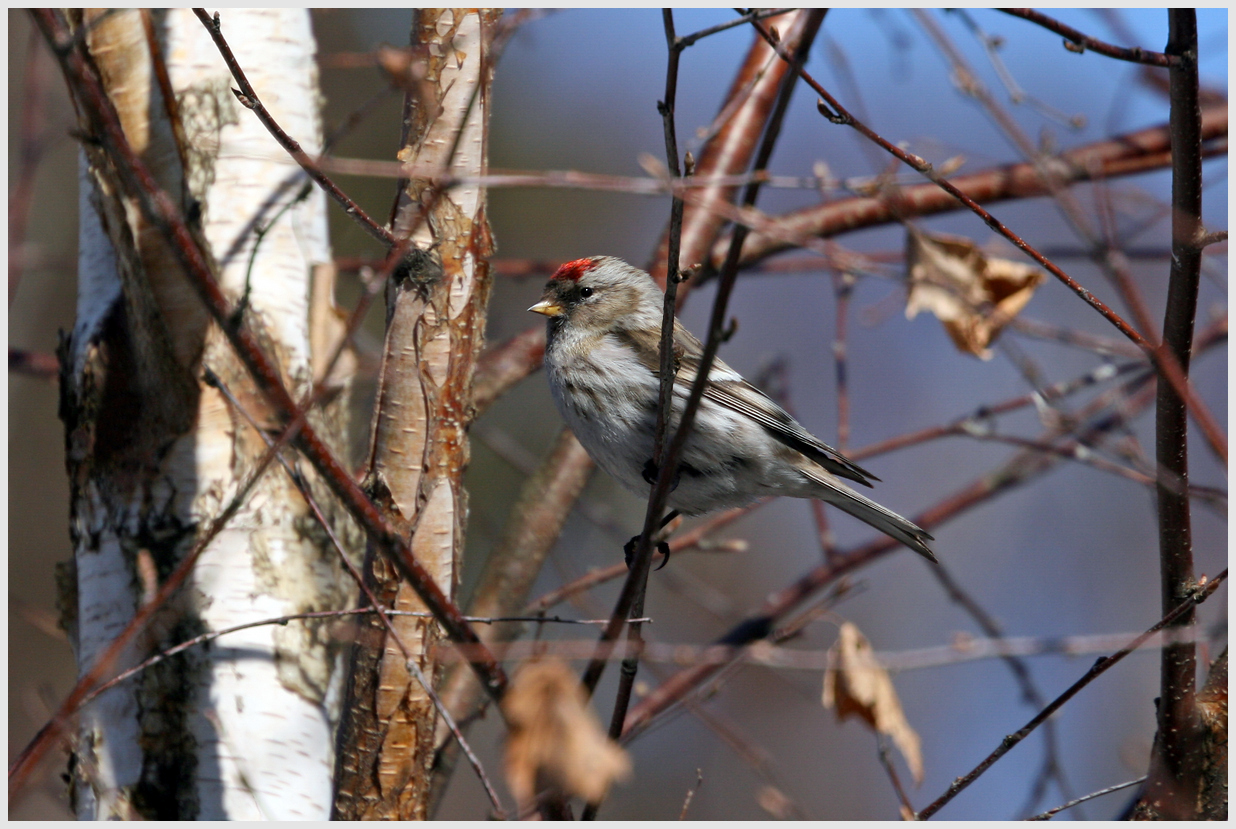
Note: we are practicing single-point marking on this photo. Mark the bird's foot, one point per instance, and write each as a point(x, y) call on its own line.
point(628, 552)
point(651, 470)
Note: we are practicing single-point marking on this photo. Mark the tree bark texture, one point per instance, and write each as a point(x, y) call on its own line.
point(239, 728)
point(436, 303)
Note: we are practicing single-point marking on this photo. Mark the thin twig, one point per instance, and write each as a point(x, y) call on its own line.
point(33, 145)
point(643, 555)
point(34, 364)
point(686, 803)
point(249, 99)
point(1164, 359)
point(1051, 767)
point(1050, 813)
point(161, 212)
point(25, 762)
point(1075, 41)
point(1183, 610)
point(1110, 158)
point(375, 606)
point(886, 760)
point(754, 14)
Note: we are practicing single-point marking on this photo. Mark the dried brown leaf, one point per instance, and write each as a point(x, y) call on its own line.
point(856, 686)
point(973, 295)
point(555, 737)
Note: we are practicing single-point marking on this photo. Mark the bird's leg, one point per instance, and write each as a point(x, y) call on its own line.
point(628, 549)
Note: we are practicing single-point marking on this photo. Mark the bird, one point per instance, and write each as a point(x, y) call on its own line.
point(602, 360)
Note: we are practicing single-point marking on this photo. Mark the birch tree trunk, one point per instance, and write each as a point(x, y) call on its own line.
point(435, 326)
point(239, 728)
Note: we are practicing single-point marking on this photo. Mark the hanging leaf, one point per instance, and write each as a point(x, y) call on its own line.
point(555, 738)
point(974, 295)
point(857, 686)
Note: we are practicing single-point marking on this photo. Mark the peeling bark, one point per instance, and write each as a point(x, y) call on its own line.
point(435, 325)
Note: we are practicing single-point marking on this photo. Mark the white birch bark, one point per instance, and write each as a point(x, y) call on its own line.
point(420, 446)
point(241, 728)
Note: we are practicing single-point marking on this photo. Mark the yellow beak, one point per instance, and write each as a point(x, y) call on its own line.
point(547, 307)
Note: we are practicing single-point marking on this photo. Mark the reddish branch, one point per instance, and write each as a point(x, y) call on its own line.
point(1164, 359)
point(1083, 42)
point(159, 209)
point(1122, 155)
point(803, 32)
point(505, 364)
point(1134, 152)
point(34, 364)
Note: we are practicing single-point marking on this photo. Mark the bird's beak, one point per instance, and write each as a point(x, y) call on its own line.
point(547, 307)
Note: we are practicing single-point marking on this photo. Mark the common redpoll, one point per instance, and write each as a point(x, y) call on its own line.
point(602, 359)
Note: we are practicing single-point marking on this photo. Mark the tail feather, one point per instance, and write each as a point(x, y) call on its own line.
point(869, 512)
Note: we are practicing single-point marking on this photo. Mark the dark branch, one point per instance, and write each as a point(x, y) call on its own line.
point(1083, 42)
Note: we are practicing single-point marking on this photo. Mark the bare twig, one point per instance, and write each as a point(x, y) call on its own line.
point(643, 552)
point(1051, 813)
point(1164, 359)
point(375, 606)
point(1051, 767)
point(1110, 158)
point(34, 364)
point(686, 803)
point(1075, 41)
point(162, 213)
point(1183, 610)
point(503, 365)
point(882, 745)
point(249, 99)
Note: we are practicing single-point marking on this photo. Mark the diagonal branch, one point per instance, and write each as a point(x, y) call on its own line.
point(249, 99)
point(1172, 618)
point(159, 209)
point(1164, 359)
point(1083, 42)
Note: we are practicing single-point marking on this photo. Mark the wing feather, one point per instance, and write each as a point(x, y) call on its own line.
point(727, 388)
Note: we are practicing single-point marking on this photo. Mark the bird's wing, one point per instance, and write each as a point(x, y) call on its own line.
point(727, 388)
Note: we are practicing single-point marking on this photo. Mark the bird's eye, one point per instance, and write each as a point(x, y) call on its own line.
point(585, 292)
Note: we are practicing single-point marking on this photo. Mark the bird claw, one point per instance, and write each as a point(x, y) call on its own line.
point(651, 470)
point(663, 549)
point(628, 552)
point(650, 473)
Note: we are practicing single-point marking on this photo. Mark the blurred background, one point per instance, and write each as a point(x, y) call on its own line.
point(1074, 552)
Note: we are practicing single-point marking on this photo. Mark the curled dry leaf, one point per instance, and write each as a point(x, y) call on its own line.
point(856, 685)
point(555, 738)
point(974, 295)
